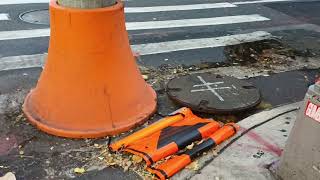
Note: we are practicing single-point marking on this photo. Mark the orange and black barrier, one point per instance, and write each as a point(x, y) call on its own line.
point(168, 136)
point(177, 163)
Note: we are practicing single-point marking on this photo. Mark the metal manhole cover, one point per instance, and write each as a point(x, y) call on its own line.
point(211, 93)
point(40, 16)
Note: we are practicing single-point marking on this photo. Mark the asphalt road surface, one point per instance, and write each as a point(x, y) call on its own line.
point(164, 32)
point(176, 32)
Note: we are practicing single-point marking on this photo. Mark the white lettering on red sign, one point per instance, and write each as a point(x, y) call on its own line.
point(313, 111)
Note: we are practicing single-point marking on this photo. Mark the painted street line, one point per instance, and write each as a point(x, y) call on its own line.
point(8, 2)
point(195, 22)
point(37, 60)
point(4, 17)
point(21, 62)
point(180, 45)
point(22, 34)
point(177, 7)
point(261, 1)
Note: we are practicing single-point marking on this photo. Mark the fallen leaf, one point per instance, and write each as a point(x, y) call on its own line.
point(79, 170)
point(264, 105)
point(190, 146)
point(200, 142)
point(145, 77)
point(136, 159)
point(193, 166)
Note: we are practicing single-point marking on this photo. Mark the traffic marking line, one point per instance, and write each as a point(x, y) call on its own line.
point(189, 44)
point(22, 34)
point(9, 2)
point(37, 60)
point(178, 7)
point(4, 17)
point(21, 62)
point(260, 1)
point(195, 22)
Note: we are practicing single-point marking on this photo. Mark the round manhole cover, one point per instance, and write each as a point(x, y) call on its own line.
point(40, 16)
point(211, 93)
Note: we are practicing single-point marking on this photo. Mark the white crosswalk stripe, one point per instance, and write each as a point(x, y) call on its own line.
point(171, 46)
point(4, 17)
point(21, 34)
point(21, 62)
point(37, 60)
point(178, 7)
point(28, 61)
point(260, 1)
point(195, 22)
point(8, 2)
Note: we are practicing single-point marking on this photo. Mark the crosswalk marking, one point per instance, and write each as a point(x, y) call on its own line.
point(189, 44)
point(177, 7)
point(21, 62)
point(260, 1)
point(4, 17)
point(21, 34)
point(8, 2)
point(195, 22)
point(37, 60)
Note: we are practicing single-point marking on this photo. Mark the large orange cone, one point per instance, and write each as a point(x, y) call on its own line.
point(90, 86)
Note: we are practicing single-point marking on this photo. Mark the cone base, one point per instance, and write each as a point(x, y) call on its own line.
point(71, 133)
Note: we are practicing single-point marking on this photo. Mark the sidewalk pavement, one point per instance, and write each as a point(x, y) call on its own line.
point(253, 155)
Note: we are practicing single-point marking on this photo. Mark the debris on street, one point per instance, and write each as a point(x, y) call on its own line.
point(157, 143)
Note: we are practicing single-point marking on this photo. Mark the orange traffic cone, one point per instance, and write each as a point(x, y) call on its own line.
point(90, 86)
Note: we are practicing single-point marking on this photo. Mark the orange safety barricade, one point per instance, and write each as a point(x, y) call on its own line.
point(177, 163)
point(165, 141)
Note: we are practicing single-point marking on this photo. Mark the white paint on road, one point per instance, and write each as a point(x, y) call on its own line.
point(260, 1)
point(4, 17)
point(195, 22)
point(21, 62)
point(22, 34)
point(8, 2)
point(178, 7)
point(37, 60)
point(181, 45)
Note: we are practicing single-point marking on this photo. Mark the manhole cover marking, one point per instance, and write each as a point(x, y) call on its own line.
point(209, 88)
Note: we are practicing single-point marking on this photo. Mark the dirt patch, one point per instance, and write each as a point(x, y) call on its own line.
point(266, 54)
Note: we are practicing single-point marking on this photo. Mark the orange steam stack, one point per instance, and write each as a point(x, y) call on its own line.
point(90, 86)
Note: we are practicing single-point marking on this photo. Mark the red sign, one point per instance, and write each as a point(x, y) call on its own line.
point(313, 111)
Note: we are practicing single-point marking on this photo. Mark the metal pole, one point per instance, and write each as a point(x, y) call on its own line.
point(86, 4)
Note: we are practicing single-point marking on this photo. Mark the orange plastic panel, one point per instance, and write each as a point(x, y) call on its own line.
point(169, 140)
